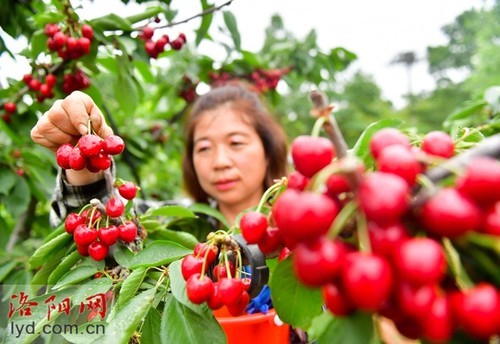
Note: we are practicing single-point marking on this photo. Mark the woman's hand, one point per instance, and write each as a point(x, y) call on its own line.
point(67, 120)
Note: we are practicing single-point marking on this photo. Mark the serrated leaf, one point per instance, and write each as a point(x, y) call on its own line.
point(171, 211)
point(232, 26)
point(41, 276)
point(130, 286)
point(91, 288)
point(126, 320)
point(46, 250)
point(151, 327)
point(180, 324)
point(76, 275)
point(159, 253)
point(294, 303)
point(64, 266)
point(123, 256)
point(185, 239)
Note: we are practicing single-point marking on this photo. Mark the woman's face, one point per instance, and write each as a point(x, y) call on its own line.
point(229, 158)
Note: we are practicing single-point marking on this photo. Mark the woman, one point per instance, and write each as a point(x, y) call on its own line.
point(234, 150)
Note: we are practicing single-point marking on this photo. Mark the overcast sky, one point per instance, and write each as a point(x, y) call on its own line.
point(375, 30)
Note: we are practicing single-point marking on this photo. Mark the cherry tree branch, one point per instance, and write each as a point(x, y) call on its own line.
point(201, 14)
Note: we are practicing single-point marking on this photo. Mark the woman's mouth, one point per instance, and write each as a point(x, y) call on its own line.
point(223, 185)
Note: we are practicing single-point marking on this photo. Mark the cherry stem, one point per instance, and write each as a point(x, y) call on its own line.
point(226, 263)
point(204, 265)
point(462, 280)
point(271, 190)
point(363, 236)
point(320, 121)
point(341, 219)
point(239, 265)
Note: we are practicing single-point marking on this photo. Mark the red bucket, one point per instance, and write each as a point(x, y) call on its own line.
point(253, 328)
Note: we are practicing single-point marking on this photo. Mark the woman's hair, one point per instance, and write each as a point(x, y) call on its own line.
point(245, 102)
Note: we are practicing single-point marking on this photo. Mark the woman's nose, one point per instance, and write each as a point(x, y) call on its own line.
point(222, 158)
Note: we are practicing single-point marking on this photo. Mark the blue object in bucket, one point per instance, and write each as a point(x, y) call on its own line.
point(261, 303)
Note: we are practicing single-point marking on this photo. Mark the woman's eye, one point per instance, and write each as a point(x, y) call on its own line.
point(236, 143)
point(202, 149)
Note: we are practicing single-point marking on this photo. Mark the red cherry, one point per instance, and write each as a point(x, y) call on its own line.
point(100, 162)
point(128, 231)
point(128, 190)
point(76, 159)
point(297, 181)
point(367, 280)
point(34, 85)
point(231, 290)
point(90, 145)
point(437, 324)
point(87, 31)
point(108, 235)
point(318, 263)
point(199, 289)
point(253, 224)
point(83, 250)
point(450, 213)
point(438, 143)
point(182, 36)
point(160, 44)
point(50, 80)
point(220, 271)
point(177, 44)
point(62, 155)
point(303, 216)
point(481, 181)
point(239, 307)
point(113, 145)
point(311, 154)
point(46, 91)
point(420, 261)
point(385, 239)
point(478, 311)
point(83, 45)
point(200, 250)
point(98, 251)
point(383, 197)
point(147, 32)
point(115, 207)
point(10, 107)
point(336, 184)
point(84, 235)
point(415, 301)
point(271, 240)
point(72, 221)
point(284, 253)
point(491, 220)
point(336, 300)
point(27, 78)
point(191, 265)
point(215, 300)
point(400, 161)
point(387, 137)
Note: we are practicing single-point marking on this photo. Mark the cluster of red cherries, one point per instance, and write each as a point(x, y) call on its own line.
point(66, 46)
point(213, 274)
point(91, 152)
point(156, 47)
point(260, 80)
point(395, 263)
point(95, 230)
point(10, 109)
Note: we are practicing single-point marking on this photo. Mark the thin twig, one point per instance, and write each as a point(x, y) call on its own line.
point(201, 14)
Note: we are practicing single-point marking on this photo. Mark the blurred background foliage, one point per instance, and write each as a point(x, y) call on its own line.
point(146, 99)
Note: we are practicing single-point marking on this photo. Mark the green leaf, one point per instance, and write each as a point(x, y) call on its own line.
point(151, 327)
point(185, 239)
point(232, 26)
point(144, 70)
point(38, 43)
point(130, 286)
point(206, 20)
point(123, 256)
point(453, 258)
point(357, 328)
point(294, 303)
point(170, 211)
point(76, 275)
point(362, 147)
point(7, 180)
point(178, 287)
point(18, 199)
point(180, 324)
point(7, 268)
point(201, 208)
point(41, 276)
point(110, 22)
point(64, 266)
point(159, 253)
point(196, 226)
point(126, 320)
point(463, 113)
point(91, 288)
point(126, 91)
point(150, 12)
point(44, 252)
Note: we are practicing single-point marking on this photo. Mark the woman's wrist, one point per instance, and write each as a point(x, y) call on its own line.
point(83, 177)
